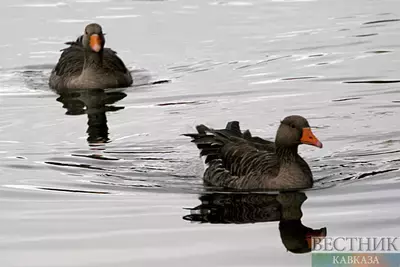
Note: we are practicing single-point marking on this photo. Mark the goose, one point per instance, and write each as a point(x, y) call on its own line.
point(241, 161)
point(87, 64)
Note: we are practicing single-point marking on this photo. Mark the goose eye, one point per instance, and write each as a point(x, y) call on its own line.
point(292, 125)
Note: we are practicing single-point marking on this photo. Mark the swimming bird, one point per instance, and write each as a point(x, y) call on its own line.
point(87, 64)
point(240, 161)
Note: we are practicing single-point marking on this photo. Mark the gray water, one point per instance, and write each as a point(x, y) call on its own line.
point(70, 199)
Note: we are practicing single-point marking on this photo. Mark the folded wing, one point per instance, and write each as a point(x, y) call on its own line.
point(235, 158)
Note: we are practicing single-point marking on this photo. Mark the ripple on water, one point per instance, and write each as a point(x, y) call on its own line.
point(38, 5)
point(381, 21)
point(232, 3)
point(72, 21)
point(121, 8)
point(117, 16)
point(92, 1)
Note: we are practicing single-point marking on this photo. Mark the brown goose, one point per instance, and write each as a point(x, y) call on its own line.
point(240, 161)
point(86, 64)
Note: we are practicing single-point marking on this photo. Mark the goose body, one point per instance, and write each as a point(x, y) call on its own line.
point(240, 161)
point(86, 64)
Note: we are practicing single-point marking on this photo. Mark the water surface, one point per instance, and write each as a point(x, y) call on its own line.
point(104, 178)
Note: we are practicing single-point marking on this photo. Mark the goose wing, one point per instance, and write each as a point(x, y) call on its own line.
point(235, 161)
point(113, 62)
point(71, 60)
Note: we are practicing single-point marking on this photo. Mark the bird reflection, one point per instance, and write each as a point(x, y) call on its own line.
point(94, 103)
point(236, 208)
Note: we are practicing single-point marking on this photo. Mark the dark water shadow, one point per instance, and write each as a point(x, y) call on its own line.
point(381, 21)
point(95, 104)
point(285, 208)
point(374, 81)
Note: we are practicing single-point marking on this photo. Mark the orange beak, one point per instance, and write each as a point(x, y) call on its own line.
point(309, 138)
point(95, 42)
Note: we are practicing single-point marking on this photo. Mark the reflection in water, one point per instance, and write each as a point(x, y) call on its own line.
point(94, 103)
point(234, 208)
